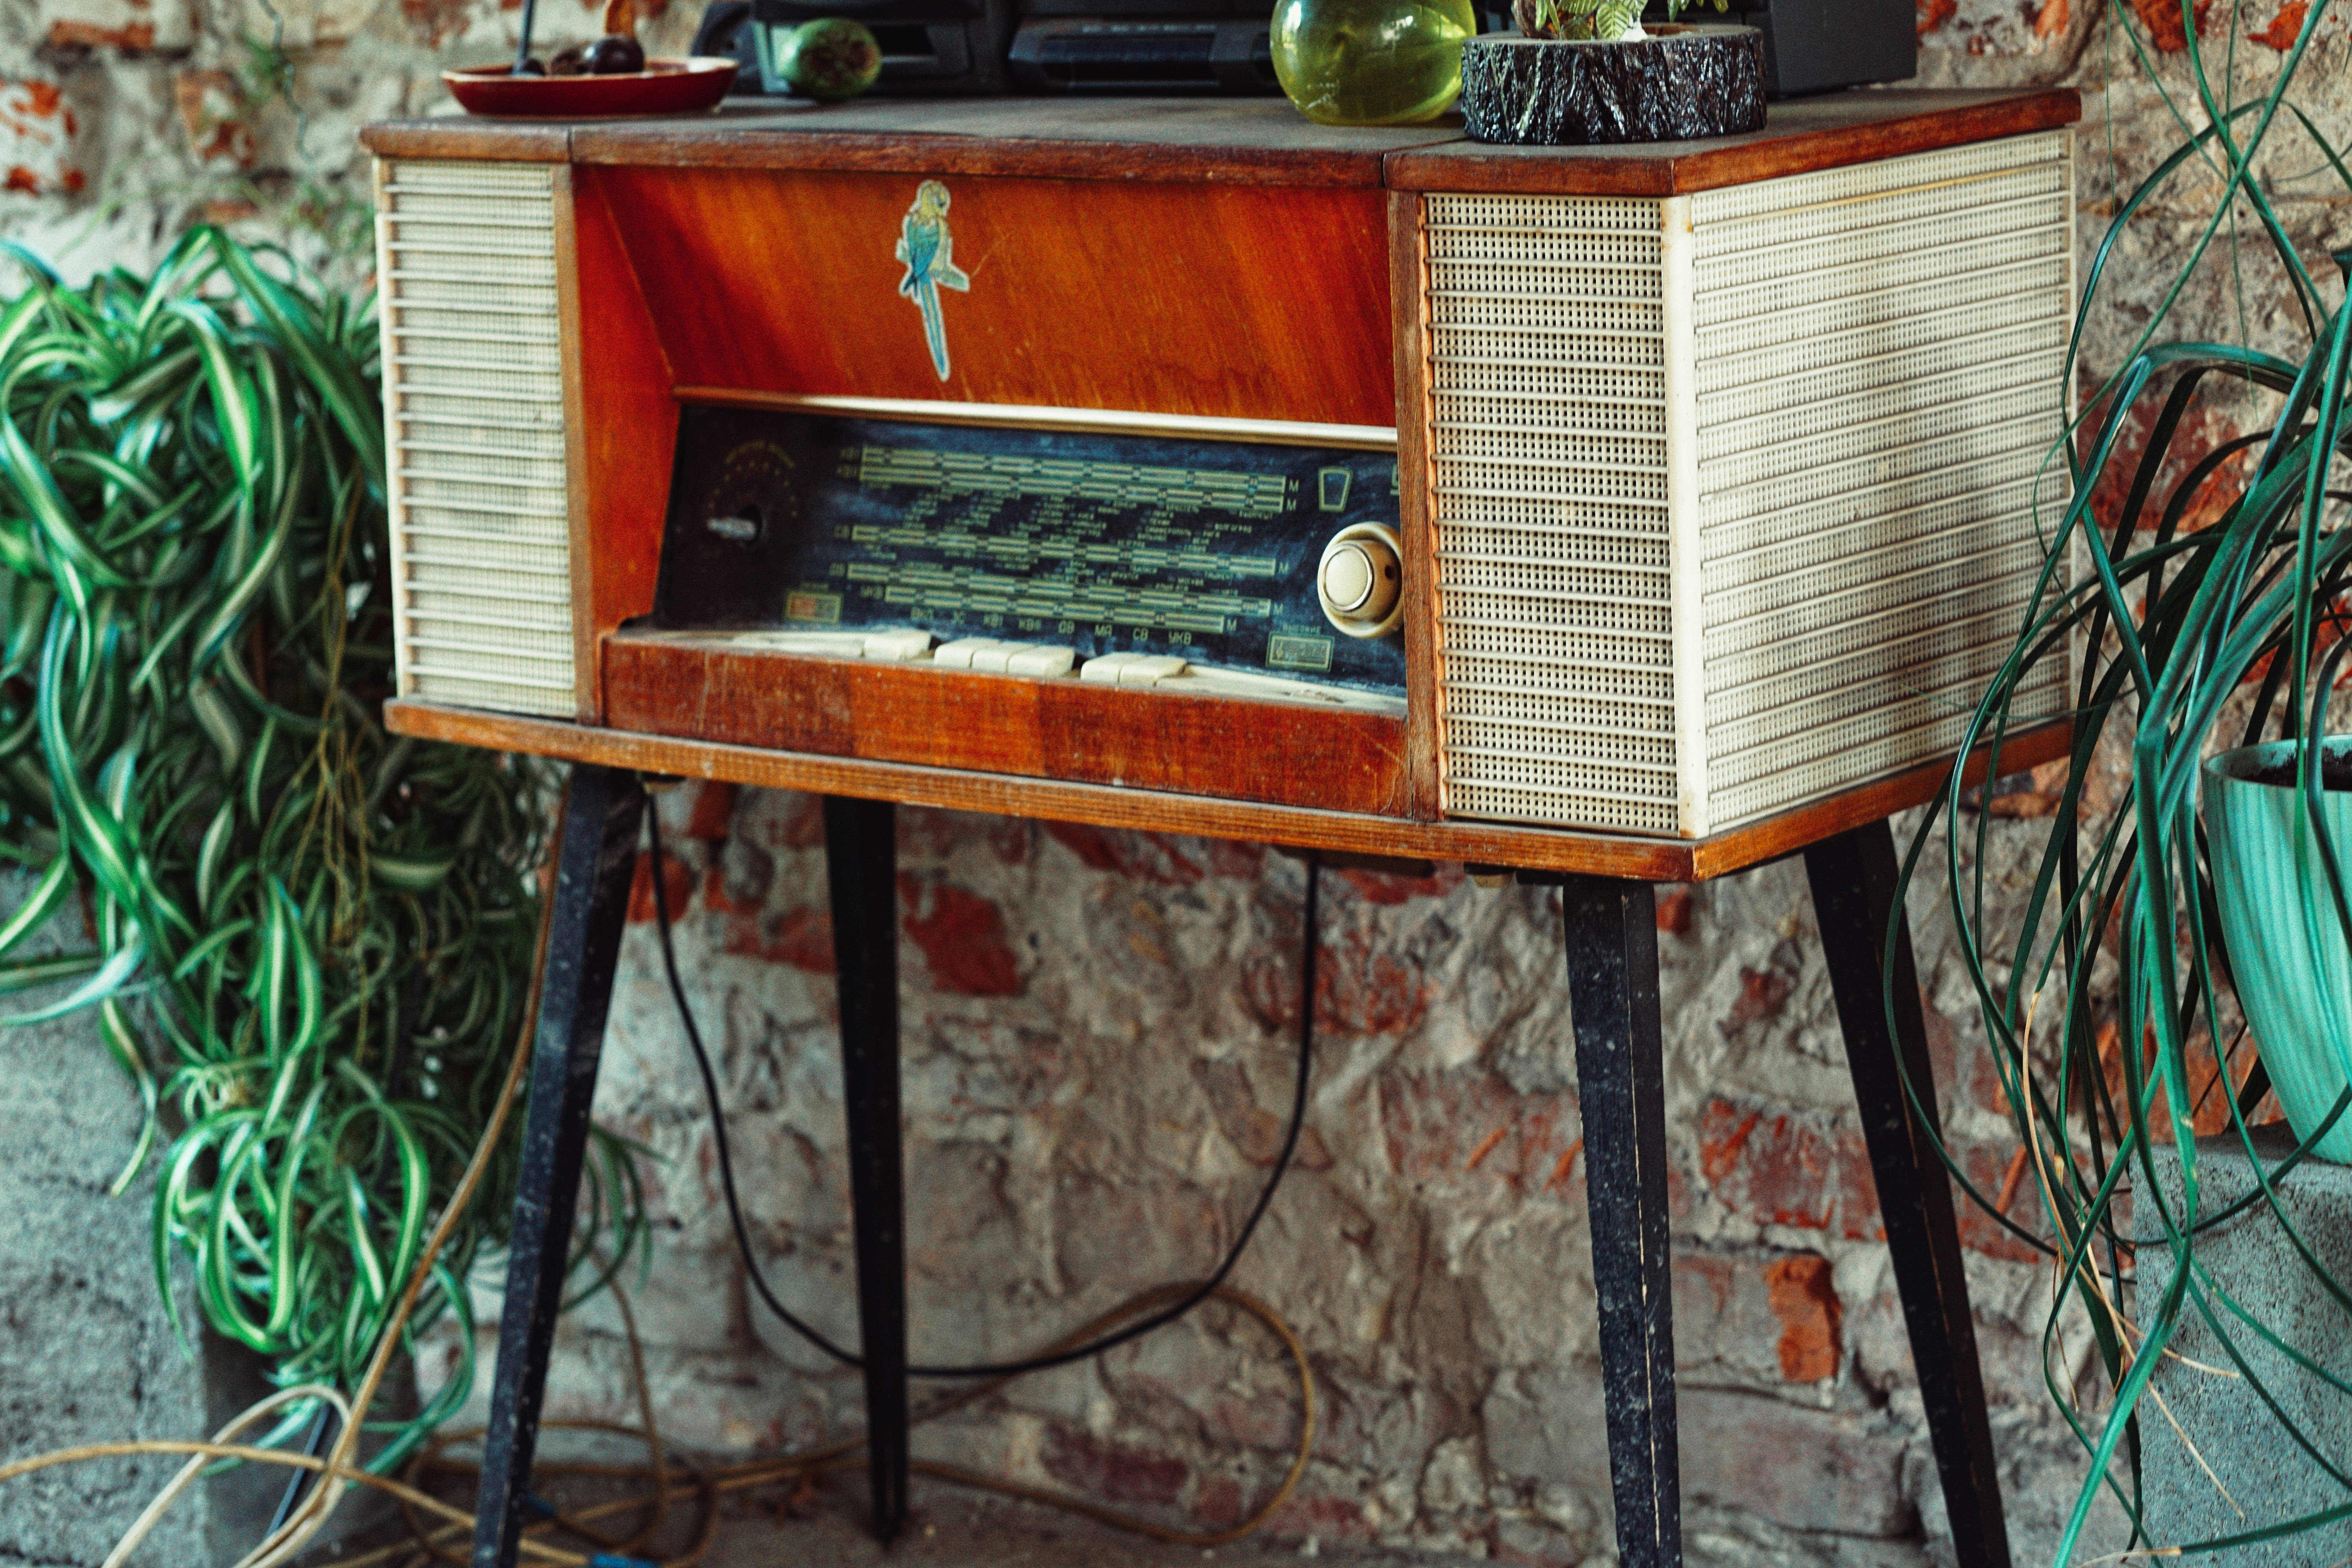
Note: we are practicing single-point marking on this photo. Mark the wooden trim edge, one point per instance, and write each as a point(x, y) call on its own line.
point(1490, 844)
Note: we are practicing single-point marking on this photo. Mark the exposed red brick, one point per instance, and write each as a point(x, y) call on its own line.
point(1384, 888)
point(437, 20)
point(42, 99)
point(1113, 1473)
point(804, 823)
point(2162, 19)
point(802, 938)
point(82, 35)
point(1674, 907)
point(1788, 1168)
point(716, 897)
point(211, 105)
point(2050, 21)
point(926, 834)
point(72, 181)
point(1806, 1302)
point(1723, 1135)
point(1219, 1504)
point(713, 813)
point(1244, 862)
point(223, 212)
point(1362, 986)
point(23, 179)
point(1445, 1127)
point(962, 935)
point(1145, 857)
point(2285, 27)
point(1763, 993)
point(1934, 14)
point(678, 884)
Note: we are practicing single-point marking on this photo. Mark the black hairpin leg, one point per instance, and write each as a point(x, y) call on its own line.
point(1853, 878)
point(1612, 980)
point(594, 861)
point(861, 853)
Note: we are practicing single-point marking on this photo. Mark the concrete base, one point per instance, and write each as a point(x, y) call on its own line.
point(2266, 1473)
point(86, 1353)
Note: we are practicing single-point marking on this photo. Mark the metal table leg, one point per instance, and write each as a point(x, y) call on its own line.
point(1612, 980)
point(861, 855)
point(594, 862)
point(1853, 878)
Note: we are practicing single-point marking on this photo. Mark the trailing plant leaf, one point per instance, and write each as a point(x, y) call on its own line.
point(312, 942)
point(2187, 639)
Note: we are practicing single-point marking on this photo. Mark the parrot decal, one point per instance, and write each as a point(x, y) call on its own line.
point(927, 250)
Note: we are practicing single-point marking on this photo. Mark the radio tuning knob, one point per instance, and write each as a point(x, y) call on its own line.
point(1361, 580)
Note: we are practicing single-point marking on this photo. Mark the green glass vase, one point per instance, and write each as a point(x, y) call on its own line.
point(1372, 62)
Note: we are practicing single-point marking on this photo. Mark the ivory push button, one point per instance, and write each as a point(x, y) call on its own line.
point(1361, 580)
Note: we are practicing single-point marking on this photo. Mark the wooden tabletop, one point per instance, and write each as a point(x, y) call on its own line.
point(1475, 843)
point(1251, 141)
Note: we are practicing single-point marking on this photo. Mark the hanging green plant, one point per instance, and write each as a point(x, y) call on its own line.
point(312, 941)
point(2186, 638)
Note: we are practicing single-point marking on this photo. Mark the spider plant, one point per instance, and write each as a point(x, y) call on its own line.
point(310, 942)
point(2185, 636)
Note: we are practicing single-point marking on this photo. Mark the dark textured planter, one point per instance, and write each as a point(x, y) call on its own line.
point(1677, 85)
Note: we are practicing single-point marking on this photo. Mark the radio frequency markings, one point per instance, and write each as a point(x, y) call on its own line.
point(1106, 568)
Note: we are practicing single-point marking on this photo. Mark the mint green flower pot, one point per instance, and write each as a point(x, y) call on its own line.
point(2287, 950)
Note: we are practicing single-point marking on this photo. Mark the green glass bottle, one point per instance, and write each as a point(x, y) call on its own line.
point(1372, 62)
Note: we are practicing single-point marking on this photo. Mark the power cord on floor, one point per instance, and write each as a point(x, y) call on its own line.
point(1190, 1298)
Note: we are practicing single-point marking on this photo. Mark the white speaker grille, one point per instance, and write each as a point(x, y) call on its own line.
point(474, 417)
point(1553, 589)
point(1899, 490)
point(1790, 433)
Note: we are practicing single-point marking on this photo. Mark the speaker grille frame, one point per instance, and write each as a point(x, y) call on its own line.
point(1824, 552)
point(475, 429)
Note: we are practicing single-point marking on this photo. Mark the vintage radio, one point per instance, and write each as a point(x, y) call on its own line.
point(1206, 452)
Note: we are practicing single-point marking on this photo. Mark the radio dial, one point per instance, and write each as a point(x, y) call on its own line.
point(1361, 580)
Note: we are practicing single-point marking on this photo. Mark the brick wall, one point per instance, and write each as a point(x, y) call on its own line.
point(1098, 1024)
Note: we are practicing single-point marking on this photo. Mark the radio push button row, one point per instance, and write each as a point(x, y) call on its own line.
point(1361, 580)
point(990, 655)
point(1132, 668)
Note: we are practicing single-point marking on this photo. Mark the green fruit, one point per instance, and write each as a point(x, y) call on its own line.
point(830, 59)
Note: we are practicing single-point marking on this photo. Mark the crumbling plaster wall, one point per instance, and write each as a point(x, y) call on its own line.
point(1097, 1025)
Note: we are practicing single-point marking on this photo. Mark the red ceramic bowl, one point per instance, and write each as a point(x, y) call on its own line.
point(664, 87)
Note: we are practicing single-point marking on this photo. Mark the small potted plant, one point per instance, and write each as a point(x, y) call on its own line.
point(1588, 72)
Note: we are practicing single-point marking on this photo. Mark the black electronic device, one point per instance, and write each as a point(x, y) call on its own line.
point(929, 47)
point(1821, 45)
point(1207, 550)
point(1139, 47)
point(1228, 54)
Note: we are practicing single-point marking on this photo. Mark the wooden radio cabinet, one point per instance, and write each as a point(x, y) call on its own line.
point(1613, 516)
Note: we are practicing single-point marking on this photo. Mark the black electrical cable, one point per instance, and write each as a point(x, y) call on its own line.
point(320, 1424)
point(1134, 1331)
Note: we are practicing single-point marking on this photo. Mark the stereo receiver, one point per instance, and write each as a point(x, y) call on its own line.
point(1190, 449)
